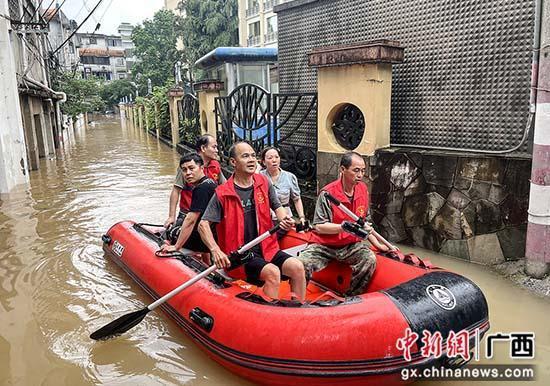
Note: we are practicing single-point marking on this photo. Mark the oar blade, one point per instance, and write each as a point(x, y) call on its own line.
point(120, 325)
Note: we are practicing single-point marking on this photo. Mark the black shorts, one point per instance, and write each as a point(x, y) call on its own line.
point(254, 267)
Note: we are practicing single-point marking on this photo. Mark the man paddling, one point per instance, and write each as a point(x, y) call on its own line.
point(330, 241)
point(207, 148)
point(192, 167)
point(240, 208)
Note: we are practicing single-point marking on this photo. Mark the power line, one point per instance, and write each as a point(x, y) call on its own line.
point(57, 9)
point(35, 11)
point(47, 8)
point(78, 27)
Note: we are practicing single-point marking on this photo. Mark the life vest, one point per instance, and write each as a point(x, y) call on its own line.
point(359, 206)
point(213, 170)
point(230, 230)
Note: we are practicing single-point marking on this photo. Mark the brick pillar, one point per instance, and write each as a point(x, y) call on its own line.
point(207, 91)
point(354, 78)
point(174, 95)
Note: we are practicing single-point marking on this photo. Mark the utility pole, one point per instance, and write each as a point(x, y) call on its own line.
point(537, 249)
point(13, 152)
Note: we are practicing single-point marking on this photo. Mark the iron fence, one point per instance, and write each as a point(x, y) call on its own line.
point(189, 123)
point(287, 121)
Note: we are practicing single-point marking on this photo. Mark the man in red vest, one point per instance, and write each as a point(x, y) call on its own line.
point(330, 241)
point(241, 210)
point(207, 148)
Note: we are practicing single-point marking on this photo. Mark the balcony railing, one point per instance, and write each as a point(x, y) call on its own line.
point(270, 37)
point(253, 41)
point(253, 11)
point(269, 4)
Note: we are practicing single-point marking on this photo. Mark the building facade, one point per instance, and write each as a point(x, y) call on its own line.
point(102, 56)
point(125, 31)
point(258, 23)
point(61, 27)
point(26, 65)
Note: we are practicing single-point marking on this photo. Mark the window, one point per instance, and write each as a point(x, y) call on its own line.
point(94, 60)
point(120, 62)
point(254, 29)
point(113, 42)
point(252, 7)
point(122, 76)
point(272, 24)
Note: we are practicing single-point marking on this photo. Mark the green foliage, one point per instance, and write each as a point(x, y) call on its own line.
point(208, 24)
point(114, 91)
point(83, 95)
point(159, 98)
point(155, 43)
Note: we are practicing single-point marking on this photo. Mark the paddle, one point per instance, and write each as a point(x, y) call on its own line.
point(356, 218)
point(126, 322)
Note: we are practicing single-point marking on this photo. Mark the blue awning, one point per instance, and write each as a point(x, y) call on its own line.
point(237, 54)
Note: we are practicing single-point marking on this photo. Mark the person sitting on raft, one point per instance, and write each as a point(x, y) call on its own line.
point(207, 148)
point(285, 183)
point(240, 208)
point(330, 242)
point(192, 167)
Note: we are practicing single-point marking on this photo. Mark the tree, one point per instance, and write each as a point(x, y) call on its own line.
point(82, 94)
point(208, 24)
point(114, 91)
point(155, 47)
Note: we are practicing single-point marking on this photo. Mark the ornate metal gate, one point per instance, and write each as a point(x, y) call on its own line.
point(189, 123)
point(287, 121)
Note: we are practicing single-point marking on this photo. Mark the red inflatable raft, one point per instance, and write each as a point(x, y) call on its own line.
point(330, 339)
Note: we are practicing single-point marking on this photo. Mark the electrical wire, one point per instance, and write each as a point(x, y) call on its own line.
point(77, 28)
point(46, 10)
point(35, 11)
point(57, 9)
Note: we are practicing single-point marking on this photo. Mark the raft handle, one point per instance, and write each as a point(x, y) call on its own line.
point(106, 239)
point(201, 318)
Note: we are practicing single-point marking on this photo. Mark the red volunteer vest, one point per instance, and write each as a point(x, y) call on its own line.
point(186, 195)
point(359, 206)
point(213, 170)
point(230, 230)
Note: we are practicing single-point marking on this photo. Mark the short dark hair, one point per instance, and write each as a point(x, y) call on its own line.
point(345, 161)
point(233, 147)
point(191, 157)
point(202, 141)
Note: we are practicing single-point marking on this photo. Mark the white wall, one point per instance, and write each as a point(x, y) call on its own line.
point(13, 157)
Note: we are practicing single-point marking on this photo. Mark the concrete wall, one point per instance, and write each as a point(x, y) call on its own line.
point(471, 207)
point(13, 159)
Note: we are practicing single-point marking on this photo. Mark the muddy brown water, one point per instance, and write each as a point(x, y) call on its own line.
point(56, 287)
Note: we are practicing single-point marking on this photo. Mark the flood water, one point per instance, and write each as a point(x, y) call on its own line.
point(56, 287)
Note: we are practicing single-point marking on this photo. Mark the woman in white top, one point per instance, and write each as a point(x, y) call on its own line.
point(285, 183)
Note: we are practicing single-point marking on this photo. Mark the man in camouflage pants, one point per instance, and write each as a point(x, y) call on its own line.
point(330, 242)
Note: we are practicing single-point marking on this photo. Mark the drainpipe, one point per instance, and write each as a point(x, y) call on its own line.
point(537, 249)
